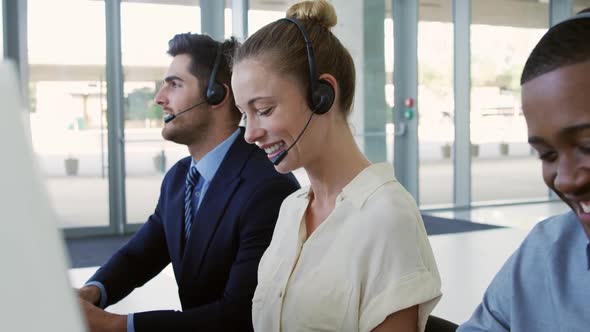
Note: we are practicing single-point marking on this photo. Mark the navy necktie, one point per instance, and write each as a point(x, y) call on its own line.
point(191, 181)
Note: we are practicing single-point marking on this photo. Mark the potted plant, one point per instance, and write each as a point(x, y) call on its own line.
point(71, 165)
point(504, 149)
point(446, 150)
point(160, 161)
point(474, 150)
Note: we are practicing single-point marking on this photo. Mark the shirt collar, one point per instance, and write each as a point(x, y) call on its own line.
point(362, 186)
point(210, 162)
point(366, 183)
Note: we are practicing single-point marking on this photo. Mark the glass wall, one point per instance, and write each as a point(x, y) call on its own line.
point(389, 97)
point(373, 56)
point(257, 18)
point(146, 29)
point(580, 5)
point(68, 96)
point(1, 30)
point(367, 33)
point(144, 44)
point(67, 104)
point(503, 165)
point(68, 101)
point(436, 103)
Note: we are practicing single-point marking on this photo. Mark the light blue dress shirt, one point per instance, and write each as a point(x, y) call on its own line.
point(544, 285)
point(207, 167)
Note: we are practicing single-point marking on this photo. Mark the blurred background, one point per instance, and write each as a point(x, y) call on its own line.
point(438, 95)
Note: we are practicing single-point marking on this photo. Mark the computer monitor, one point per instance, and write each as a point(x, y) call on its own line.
point(35, 292)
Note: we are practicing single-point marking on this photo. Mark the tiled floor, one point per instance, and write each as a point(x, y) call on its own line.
point(523, 216)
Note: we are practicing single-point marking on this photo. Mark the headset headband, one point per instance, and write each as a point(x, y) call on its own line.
point(580, 16)
point(310, 58)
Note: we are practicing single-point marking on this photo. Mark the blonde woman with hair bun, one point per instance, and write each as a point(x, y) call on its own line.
point(349, 251)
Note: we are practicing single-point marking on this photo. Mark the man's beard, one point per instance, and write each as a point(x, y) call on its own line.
point(185, 135)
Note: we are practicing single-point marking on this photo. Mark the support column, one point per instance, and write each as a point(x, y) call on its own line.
point(212, 18)
point(239, 17)
point(368, 118)
point(559, 10)
point(405, 78)
point(14, 39)
point(462, 72)
point(115, 117)
point(374, 106)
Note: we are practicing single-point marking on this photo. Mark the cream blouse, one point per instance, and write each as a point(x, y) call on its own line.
point(368, 259)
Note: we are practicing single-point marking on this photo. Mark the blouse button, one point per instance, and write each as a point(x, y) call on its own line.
point(280, 294)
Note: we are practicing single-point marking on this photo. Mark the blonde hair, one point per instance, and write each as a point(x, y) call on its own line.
point(280, 44)
point(319, 12)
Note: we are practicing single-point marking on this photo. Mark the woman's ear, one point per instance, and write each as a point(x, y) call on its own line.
point(331, 80)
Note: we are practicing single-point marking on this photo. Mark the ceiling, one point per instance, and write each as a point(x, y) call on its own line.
point(517, 13)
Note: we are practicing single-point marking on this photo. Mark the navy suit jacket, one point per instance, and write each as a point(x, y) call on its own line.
point(216, 270)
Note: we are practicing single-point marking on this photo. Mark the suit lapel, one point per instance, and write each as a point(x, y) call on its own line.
point(214, 204)
point(176, 209)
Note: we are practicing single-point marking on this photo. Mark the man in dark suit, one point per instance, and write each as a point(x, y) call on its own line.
point(216, 212)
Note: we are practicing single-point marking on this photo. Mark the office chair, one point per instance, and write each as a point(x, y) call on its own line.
point(436, 324)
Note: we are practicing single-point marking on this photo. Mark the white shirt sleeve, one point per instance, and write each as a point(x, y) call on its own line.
point(397, 281)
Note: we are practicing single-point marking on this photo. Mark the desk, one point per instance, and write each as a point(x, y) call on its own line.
point(159, 293)
point(467, 263)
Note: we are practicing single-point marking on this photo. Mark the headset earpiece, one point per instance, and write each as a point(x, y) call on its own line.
point(321, 92)
point(215, 94)
point(216, 91)
point(322, 97)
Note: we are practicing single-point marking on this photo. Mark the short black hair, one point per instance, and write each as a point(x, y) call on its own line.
point(566, 43)
point(203, 50)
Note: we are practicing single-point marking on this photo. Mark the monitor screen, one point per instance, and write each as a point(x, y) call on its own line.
point(36, 291)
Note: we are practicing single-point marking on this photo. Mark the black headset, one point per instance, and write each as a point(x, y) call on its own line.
point(216, 91)
point(321, 93)
point(579, 16)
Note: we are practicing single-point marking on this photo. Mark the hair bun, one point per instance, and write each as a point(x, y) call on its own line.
point(319, 12)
